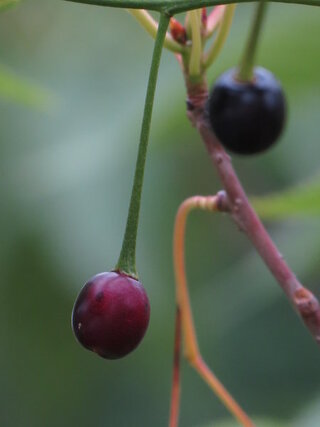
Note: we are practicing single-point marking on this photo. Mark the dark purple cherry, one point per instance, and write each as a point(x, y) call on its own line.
point(247, 117)
point(111, 314)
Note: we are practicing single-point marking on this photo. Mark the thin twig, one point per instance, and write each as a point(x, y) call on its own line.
point(176, 387)
point(151, 26)
point(224, 29)
point(196, 47)
point(191, 349)
point(214, 19)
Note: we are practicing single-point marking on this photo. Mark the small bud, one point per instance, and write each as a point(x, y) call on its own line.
point(178, 31)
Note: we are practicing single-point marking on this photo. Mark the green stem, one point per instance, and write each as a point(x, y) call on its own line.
point(222, 35)
point(151, 26)
point(127, 259)
point(173, 7)
point(247, 63)
point(196, 48)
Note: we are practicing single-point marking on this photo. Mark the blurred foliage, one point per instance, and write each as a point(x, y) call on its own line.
point(258, 422)
point(4, 4)
point(303, 199)
point(21, 91)
point(17, 89)
point(66, 181)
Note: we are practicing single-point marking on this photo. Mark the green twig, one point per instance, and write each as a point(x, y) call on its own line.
point(196, 48)
point(214, 20)
point(247, 63)
point(127, 259)
point(172, 7)
point(20, 90)
point(222, 35)
point(151, 26)
point(179, 6)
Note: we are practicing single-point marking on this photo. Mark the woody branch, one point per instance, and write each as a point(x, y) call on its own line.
point(244, 216)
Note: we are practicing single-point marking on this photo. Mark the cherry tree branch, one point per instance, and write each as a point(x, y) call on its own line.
point(242, 213)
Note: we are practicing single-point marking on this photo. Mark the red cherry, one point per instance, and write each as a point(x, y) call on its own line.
point(111, 314)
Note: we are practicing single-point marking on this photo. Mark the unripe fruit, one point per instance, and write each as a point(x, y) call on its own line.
point(111, 314)
point(247, 117)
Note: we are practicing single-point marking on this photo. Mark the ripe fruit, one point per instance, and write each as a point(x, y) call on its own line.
point(111, 314)
point(247, 117)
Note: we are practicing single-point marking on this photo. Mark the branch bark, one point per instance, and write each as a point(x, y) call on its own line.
point(244, 216)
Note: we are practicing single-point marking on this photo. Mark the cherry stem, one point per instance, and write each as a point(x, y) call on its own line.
point(195, 202)
point(246, 66)
point(212, 204)
point(224, 29)
point(151, 26)
point(196, 47)
point(127, 259)
point(214, 19)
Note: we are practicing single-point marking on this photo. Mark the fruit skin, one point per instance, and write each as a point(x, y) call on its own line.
point(247, 117)
point(111, 314)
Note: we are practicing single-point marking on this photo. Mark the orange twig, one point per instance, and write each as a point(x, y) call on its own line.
point(175, 392)
point(211, 203)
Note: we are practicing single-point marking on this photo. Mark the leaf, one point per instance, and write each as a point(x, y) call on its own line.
point(4, 4)
point(258, 422)
point(20, 90)
point(309, 416)
point(176, 6)
point(303, 200)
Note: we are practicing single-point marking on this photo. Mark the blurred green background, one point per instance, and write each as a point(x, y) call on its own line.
point(66, 165)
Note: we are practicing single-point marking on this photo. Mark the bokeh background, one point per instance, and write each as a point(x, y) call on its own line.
point(66, 165)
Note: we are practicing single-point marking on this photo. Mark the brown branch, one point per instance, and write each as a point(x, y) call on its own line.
point(305, 303)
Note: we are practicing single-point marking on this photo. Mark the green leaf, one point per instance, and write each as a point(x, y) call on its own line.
point(19, 90)
point(4, 4)
point(258, 422)
point(309, 416)
point(303, 200)
point(176, 6)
